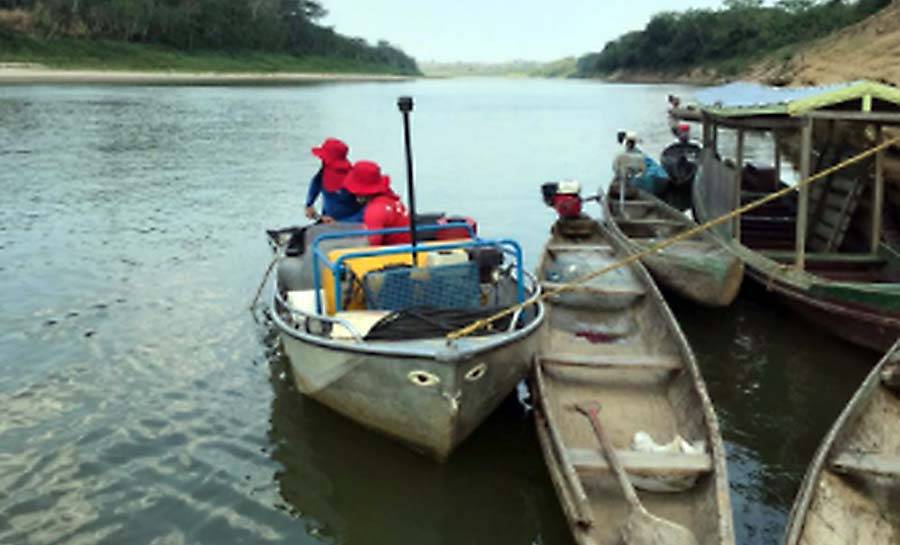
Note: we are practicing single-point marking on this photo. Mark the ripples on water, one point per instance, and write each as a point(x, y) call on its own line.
point(142, 403)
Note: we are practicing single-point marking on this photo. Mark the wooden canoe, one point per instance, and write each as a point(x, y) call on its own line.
point(613, 340)
point(851, 492)
point(700, 268)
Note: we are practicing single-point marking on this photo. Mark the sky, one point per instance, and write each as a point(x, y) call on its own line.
point(494, 30)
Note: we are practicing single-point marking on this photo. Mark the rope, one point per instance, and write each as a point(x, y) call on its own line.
point(475, 326)
point(262, 283)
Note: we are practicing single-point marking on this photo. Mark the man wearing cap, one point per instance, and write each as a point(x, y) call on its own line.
point(338, 204)
point(630, 163)
point(383, 208)
point(683, 133)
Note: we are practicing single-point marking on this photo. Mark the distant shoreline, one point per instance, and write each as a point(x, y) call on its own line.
point(25, 74)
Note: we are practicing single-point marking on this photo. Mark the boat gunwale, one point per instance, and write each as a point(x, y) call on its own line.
point(718, 246)
point(849, 415)
point(414, 348)
point(689, 363)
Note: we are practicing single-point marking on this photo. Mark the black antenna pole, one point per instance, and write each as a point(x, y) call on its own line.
point(405, 104)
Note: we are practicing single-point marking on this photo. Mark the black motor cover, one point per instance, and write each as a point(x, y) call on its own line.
point(487, 259)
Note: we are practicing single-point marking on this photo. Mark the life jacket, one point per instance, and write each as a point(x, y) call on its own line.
point(386, 210)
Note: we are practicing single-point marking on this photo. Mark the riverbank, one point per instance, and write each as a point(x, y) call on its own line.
point(26, 74)
point(77, 59)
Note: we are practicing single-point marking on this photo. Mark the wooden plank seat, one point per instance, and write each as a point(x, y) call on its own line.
point(643, 463)
point(604, 248)
point(828, 258)
point(651, 221)
point(612, 360)
point(682, 243)
point(632, 291)
point(873, 464)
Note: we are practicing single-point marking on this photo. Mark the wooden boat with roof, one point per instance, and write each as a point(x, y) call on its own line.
point(613, 341)
point(852, 488)
point(700, 268)
point(364, 328)
point(830, 250)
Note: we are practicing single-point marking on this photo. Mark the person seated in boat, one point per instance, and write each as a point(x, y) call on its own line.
point(630, 163)
point(383, 208)
point(338, 204)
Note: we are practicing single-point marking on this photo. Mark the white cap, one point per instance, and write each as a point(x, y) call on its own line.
point(631, 135)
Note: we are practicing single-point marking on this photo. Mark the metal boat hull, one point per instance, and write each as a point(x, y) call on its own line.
point(429, 403)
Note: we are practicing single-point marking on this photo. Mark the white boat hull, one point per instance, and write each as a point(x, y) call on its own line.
point(430, 403)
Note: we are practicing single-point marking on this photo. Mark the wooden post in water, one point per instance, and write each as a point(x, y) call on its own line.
point(777, 160)
point(877, 194)
point(707, 131)
point(803, 204)
point(739, 171)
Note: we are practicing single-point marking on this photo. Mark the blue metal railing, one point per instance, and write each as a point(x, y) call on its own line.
point(506, 245)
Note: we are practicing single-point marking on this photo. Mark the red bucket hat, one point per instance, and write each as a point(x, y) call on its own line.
point(365, 179)
point(333, 153)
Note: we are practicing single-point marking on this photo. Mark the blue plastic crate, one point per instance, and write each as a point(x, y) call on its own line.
point(441, 287)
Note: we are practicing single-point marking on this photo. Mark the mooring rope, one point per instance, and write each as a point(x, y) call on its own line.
point(478, 324)
point(262, 283)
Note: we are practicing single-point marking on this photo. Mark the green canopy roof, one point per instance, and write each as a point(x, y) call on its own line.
point(740, 99)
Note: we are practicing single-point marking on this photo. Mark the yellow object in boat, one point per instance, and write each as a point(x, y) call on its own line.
point(359, 266)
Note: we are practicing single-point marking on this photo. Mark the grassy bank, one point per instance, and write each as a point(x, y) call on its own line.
point(87, 54)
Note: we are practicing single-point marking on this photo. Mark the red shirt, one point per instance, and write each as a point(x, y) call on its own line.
point(384, 211)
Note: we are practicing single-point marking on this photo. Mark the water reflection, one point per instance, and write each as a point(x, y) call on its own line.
point(353, 486)
point(777, 384)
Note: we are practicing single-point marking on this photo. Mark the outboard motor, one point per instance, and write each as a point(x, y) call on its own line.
point(564, 197)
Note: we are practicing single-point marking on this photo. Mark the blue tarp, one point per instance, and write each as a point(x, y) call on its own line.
point(742, 94)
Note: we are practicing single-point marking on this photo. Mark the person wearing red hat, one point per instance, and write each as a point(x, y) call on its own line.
point(383, 208)
point(338, 204)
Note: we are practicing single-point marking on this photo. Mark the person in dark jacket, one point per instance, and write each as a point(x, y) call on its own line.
point(383, 208)
point(338, 204)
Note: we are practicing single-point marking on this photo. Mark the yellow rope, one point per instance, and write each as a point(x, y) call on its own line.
point(475, 326)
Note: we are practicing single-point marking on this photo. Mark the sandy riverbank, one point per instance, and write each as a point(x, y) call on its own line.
point(13, 74)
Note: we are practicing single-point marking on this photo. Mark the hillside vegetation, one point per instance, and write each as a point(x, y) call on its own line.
point(869, 49)
point(267, 34)
point(724, 41)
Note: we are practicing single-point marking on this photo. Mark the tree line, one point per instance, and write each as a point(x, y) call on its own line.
point(742, 29)
point(267, 25)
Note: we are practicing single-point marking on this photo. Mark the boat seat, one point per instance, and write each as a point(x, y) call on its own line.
point(872, 464)
point(644, 463)
point(362, 320)
point(651, 221)
point(816, 257)
point(668, 363)
point(580, 248)
point(596, 290)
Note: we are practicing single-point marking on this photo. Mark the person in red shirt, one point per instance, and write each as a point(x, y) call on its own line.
point(383, 207)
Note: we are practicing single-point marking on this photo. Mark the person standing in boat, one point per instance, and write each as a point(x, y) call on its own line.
point(674, 104)
point(630, 163)
point(383, 208)
point(338, 204)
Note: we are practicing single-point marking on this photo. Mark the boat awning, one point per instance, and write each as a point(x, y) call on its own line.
point(745, 99)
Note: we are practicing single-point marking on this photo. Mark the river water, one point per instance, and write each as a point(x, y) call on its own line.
point(141, 402)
